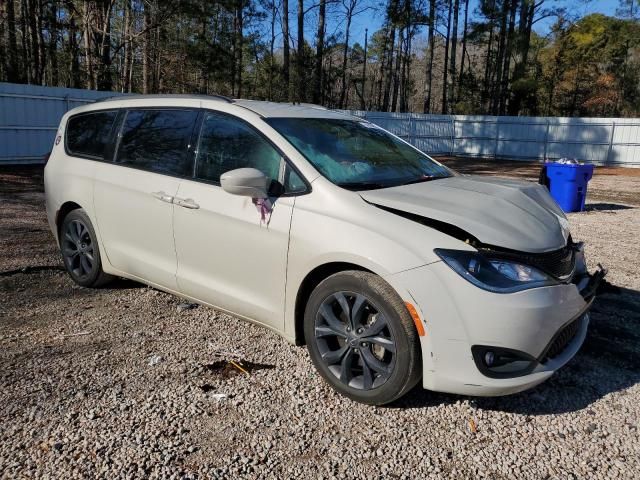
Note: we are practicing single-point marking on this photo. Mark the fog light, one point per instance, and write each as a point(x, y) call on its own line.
point(499, 362)
point(489, 358)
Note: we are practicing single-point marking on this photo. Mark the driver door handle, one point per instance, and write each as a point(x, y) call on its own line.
point(162, 196)
point(186, 203)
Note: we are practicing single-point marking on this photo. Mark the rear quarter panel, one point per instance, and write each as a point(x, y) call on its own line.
point(67, 179)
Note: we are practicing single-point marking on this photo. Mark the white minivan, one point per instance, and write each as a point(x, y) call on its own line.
point(331, 231)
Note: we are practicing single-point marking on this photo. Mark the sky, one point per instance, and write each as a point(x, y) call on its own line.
point(374, 20)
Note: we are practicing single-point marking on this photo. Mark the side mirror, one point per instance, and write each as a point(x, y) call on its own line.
point(248, 182)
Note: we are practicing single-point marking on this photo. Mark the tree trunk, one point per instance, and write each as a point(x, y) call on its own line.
point(497, 84)
point(396, 74)
point(445, 83)
point(487, 66)
point(405, 72)
point(382, 69)
point(238, 45)
point(204, 67)
point(35, 44)
point(234, 52)
point(432, 27)
point(345, 52)
point(25, 63)
point(157, 55)
point(363, 105)
point(504, 87)
point(126, 38)
point(464, 46)
point(74, 55)
point(527, 10)
point(454, 46)
point(146, 48)
point(3, 50)
point(105, 81)
point(53, 43)
point(88, 46)
point(286, 56)
point(317, 73)
point(12, 45)
point(300, 56)
point(389, 68)
point(42, 54)
point(272, 46)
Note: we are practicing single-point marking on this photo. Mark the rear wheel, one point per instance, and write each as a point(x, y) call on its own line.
point(80, 250)
point(361, 338)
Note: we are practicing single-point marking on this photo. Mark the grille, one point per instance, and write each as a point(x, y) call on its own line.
point(563, 339)
point(559, 263)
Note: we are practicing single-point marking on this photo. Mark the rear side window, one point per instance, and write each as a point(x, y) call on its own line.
point(88, 133)
point(158, 141)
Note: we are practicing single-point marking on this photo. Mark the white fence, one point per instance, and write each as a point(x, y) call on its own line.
point(603, 141)
point(29, 117)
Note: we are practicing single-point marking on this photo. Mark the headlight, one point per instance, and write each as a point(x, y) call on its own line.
point(493, 274)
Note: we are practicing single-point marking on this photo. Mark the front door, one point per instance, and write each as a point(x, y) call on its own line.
point(231, 253)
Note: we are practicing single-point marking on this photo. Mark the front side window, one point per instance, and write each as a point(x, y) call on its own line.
point(227, 143)
point(357, 154)
point(87, 134)
point(158, 141)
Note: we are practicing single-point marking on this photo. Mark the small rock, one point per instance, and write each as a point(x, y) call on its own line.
point(185, 306)
point(154, 360)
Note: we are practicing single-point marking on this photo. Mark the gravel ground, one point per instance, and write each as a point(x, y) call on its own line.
point(126, 382)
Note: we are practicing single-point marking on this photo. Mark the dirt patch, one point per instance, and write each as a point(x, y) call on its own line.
point(232, 368)
point(609, 184)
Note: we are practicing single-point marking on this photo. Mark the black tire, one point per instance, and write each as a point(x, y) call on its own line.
point(80, 250)
point(369, 371)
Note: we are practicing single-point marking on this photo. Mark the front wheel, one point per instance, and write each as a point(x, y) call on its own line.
point(80, 251)
point(361, 338)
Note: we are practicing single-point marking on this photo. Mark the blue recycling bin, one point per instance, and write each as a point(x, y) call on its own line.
point(568, 184)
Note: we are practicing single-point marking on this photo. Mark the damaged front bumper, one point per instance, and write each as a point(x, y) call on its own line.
point(588, 284)
point(543, 328)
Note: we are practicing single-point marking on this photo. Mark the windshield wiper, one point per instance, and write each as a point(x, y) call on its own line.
point(361, 185)
point(426, 178)
point(376, 185)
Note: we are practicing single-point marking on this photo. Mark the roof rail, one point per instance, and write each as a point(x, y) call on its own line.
point(311, 105)
point(221, 98)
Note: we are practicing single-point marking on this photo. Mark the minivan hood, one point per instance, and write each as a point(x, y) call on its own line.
point(498, 212)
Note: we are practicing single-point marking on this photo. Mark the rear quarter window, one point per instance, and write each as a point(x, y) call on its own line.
point(87, 134)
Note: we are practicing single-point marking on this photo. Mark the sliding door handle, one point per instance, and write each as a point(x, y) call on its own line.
point(186, 203)
point(164, 197)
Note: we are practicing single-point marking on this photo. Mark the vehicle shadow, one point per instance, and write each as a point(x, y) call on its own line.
point(120, 283)
point(609, 361)
point(20, 179)
point(598, 207)
point(32, 269)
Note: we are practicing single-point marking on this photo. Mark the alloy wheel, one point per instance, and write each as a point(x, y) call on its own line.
point(78, 249)
point(354, 340)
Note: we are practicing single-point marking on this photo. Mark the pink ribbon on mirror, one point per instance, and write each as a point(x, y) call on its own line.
point(264, 207)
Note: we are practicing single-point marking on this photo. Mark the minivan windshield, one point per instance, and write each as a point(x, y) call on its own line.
point(358, 155)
